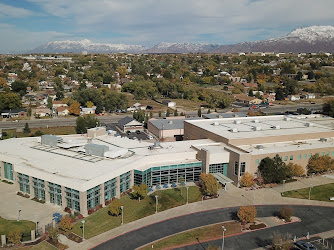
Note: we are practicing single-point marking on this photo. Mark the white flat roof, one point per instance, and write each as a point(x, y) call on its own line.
point(70, 168)
point(288, 146)
point(261, 126)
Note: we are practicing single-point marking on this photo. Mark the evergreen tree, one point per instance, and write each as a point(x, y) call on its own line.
point(199, 112)
point(26, 129)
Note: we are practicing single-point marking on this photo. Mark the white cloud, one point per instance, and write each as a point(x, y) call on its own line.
point(15, 40)
point(151, 21)
point(10, 11)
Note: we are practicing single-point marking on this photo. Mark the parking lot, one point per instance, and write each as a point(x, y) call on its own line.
point(320, 244)
point(140, 135)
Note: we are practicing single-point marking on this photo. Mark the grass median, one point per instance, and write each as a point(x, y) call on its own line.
point(201, 234)
point(101, 221)
point(320, 193)
point(24, 226)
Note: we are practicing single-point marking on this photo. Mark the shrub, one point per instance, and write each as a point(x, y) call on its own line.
point(286, 213)
point(247, 180)
point(65, 224)
point(115, 207)
point(53, 234)
point(98, 207)
point(90, 211)
point(26, 196)
point(107, 202)
point(67, 210)
point(295, 170)
point(14, 236)
point(258, 226)
point(80, 216)
point(247, 214)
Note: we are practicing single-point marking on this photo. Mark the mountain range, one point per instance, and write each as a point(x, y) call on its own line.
point(307, 40)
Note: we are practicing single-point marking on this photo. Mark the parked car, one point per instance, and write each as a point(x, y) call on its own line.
point(304, 245)
point(150, 137)
point(137, 132)
point(128, 132)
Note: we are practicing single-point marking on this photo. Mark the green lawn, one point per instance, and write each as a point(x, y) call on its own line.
point(43, 246)
point(320, 193)
point(100, 221)
point(203, 234)
point(24, 226)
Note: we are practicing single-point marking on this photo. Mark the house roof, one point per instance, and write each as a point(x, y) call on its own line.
point(124, 121)
point(13, 111)
point(60, 109)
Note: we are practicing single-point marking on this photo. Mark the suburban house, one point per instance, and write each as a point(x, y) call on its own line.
point(293, 98)
point(14, 113)
point(87, 111)
point(63, 111)
point(129, 123)
point(249, 100)
point(41, 112)
point(57, 104)
point(169, 103)
point(310, 96)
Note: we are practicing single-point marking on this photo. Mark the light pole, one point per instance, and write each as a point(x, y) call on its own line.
point(156, 204)
point(309, 193)
point(283, 187)
point(83, 230)
point(224, 229)
point(187, 193)
point(122, 207)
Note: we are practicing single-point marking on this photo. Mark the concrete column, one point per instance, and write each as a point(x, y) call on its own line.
point(2, 170)
point(83, 203)
point(16, 181)
point(3, 240)
point(47, 193)
point(102, 198)
point(63, 197)
point(132, 178)
point(118, 191)
point(33, 235)
point(31, 185)
point(204, 156)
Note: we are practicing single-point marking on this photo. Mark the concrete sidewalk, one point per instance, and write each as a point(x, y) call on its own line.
point(232, 197)
point(12, 203)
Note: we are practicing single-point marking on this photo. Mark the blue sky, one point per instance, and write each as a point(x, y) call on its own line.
point(26, 24)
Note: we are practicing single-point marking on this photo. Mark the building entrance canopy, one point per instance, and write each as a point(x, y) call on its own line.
point(222, 178)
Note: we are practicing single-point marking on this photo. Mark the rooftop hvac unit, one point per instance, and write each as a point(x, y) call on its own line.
point(51, 140)
point(323, 139)
point(256, 121)
point(170, 122)
point(237, 121)
point(96, 149)
point(257, 128)
point(277, 127)
point(233, 130)
point(308, 124)
point(259, 146)
point(215, 124)
point(287, 119)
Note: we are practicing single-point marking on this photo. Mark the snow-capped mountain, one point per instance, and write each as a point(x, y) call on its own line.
point(309, 39)
point(86, 45)
point(182, 48)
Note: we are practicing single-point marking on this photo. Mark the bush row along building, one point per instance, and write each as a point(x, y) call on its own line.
point(84, 171)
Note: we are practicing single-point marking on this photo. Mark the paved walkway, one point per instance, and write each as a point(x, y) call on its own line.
point(232, 197)
point(12, 203)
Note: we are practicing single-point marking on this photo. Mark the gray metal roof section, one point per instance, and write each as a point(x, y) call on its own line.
point(96, 149)
point(170, 124)
point(222, 178)
point(125, 121)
